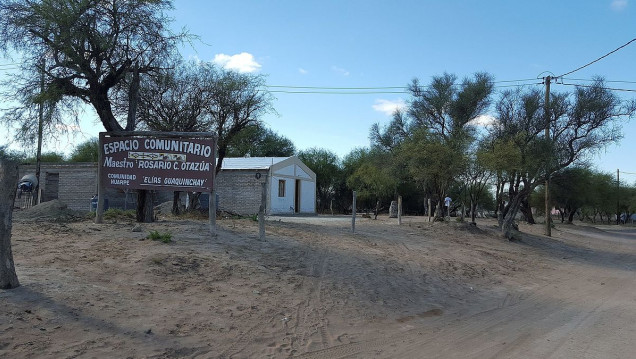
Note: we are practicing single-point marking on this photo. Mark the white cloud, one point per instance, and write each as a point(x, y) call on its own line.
point(388, 107)
point(303, 71)
point(340, 70)
point(483, 120)
point(243, 62)
point(618, 5)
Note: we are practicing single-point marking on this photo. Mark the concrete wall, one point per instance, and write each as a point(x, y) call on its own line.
point(308, 197)
point(284, 204)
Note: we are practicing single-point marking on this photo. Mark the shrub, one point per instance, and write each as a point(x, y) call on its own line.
point(163, 237)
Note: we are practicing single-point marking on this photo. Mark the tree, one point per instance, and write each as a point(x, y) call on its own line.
point(176, 99)
point(49, 157)
point(8, 183)
point(260, 141)
point(579, 123)
point(373, 177)
point(391, 136)
point(441, 115)
point(235, 102)
point(86, 48)
point(196, 96)
point(85, 152)
point(433, 164)
point(445, 108)
point(476, 177)
point(569, 189)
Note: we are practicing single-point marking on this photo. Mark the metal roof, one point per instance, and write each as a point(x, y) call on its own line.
point(250, 163)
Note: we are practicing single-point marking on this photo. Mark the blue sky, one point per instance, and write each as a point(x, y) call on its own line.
point(371, 43)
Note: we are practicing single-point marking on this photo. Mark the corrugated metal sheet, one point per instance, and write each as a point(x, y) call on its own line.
point(250, 163)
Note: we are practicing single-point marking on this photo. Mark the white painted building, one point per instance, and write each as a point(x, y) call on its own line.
point(291, 185)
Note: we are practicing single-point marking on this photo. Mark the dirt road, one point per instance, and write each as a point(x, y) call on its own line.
point(312, 289)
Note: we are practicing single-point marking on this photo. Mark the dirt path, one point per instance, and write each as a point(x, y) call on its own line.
point(314, 290)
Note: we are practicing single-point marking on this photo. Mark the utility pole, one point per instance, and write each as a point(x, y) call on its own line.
point(548, 216)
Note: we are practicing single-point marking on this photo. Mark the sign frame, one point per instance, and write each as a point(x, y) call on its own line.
point(153, 160)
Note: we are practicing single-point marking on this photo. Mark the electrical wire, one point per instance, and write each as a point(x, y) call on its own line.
point(323, 90)
point(599, 59)
point(604, 88)
point(592, 80)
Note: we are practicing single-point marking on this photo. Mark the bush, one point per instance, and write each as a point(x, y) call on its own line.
point(163, 237)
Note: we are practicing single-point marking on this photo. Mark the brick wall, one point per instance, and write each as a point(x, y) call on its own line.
point(239, 191)
point(77, 184)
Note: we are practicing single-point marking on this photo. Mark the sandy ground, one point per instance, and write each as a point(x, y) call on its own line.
point(313, 289)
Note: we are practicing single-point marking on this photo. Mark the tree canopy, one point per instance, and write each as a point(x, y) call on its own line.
point(86, 48)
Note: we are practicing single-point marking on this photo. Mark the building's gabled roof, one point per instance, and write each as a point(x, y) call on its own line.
point(250, 163)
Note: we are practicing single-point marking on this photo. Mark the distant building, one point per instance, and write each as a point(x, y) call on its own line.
point(291, 186)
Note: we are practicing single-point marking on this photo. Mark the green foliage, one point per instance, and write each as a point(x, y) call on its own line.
point(9, 155)
point(374, 178)
point(47, 157)
point(91, 48)
point(162, 237)
point(85, 152)
point(259, 141)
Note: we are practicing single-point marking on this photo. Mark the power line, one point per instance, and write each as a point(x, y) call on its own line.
point(368, 90)
point(599, 59)
point(604, 88)
point(593, 80)
point(377, 87)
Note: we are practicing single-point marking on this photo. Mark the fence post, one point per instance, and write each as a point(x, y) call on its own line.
point(353, 213)
point(261, 212)
point(399, 210)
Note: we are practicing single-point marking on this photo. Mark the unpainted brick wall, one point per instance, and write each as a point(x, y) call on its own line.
point(239, 191)
point(78, 184)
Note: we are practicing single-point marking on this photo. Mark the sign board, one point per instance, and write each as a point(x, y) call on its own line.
point(157, 162)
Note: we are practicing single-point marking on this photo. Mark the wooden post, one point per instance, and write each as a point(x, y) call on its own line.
point(429, 209)
point(618, 195)
point(261, 212)
point(399, 210)
point(212, 213)
point(548, 216)
point(99, 211)
point(353, 213)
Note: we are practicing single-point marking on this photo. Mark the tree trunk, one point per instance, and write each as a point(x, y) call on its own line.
point(571, 216)
point(144, 206)
point(8, 185)
point(176, 203)
point(193, 201)
point(501, 214)
point(473, 210)
point(133, 100)
point(527, 211)
point(507, 226)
